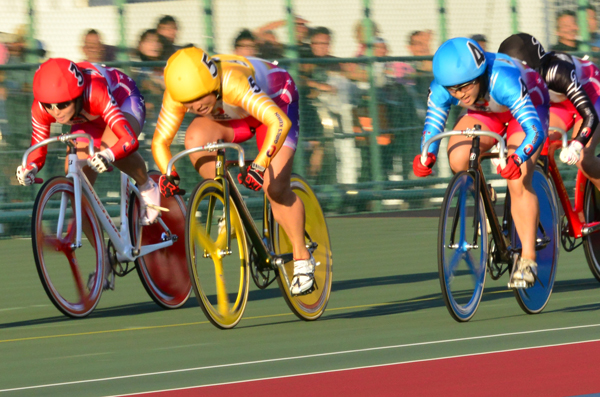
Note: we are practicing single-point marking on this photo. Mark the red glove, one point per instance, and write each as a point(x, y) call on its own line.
point(255, 176)
point(169, 185)
point(512, 169)
point(421, 170)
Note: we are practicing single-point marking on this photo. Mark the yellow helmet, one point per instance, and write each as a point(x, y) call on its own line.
point(191, 74)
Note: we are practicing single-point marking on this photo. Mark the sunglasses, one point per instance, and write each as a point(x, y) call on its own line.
point(460, 87)
point(59, 106)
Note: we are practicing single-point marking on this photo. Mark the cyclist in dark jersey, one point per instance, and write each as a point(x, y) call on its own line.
point(574, 87)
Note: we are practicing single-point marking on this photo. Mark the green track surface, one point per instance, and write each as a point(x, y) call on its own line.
point(385, 293)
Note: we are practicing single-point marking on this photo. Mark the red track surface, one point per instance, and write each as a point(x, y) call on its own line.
point(566, 370)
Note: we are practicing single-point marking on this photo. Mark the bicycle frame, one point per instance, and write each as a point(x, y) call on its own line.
point(474, 169)
point(120, 237)
point(573, 213)
point(230, 190)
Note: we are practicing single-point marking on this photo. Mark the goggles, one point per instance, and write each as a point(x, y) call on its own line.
point(459, 87)
point(59, 106)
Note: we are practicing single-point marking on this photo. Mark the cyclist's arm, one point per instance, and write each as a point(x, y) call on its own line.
point(439, 102)
point(102, 101)
point(40, 121)
point(561, 77)
point(243, 91)
point(169, 120)
point(510, 90)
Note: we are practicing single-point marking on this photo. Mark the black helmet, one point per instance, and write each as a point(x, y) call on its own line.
point(524, 47)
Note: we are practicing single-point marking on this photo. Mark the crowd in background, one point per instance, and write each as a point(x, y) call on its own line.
point(335, 95)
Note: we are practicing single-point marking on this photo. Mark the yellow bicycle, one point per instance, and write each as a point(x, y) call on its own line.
point(224, 246)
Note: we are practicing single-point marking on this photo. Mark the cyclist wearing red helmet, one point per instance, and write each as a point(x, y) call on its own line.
point(99, 101)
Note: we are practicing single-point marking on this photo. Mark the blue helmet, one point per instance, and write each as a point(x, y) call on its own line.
point(458, 61)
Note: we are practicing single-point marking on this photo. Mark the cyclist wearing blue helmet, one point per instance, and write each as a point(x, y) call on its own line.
point(504, 97)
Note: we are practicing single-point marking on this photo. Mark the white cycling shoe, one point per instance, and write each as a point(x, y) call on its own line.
point(304, 276)
point(525, 273)
point(151, 196)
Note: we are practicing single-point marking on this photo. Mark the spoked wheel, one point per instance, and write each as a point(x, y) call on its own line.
point(462, 247)
point(312, 305)
point(533, 299)
point(72, 276)
point(591, 242)
point(220, 279)
point(164, 273)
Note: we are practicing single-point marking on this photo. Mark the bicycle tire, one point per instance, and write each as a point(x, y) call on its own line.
point(61, 269)
point(311, 306)
point(207, 203)
point(462, 276)
point(591, 242)
point(535, 298)
point(163, 273)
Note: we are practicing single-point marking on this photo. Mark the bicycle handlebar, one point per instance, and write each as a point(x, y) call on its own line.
point(211, 147)
point(468, 133)
point(563, 135)
point(59, 138)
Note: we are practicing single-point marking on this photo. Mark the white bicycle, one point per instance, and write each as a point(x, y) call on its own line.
point(69, 247)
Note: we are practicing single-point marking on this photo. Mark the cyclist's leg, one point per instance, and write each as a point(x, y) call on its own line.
point(288, 209)
point(459, 146)
point(201, 131)
point(133, 164)
point(524, 202)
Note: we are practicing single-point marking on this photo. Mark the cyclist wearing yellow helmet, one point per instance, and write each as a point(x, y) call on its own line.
point(235, 98)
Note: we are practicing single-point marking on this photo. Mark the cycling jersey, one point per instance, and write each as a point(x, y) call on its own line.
point(250, 88)
point(511, 88)
point(100, 109)
point(573, 82)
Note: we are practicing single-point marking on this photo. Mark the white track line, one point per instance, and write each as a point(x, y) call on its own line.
point(302, 357)
point(355, 368)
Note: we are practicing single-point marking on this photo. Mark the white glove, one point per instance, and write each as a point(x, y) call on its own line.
point(572, 153)
point(101, 160)
point(26, 176)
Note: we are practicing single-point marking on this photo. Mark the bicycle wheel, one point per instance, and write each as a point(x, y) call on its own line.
point(310, 306)
point(68, 275)
point(220, 281)
point(164, 273)
point(533, 299)
point(591, 242)
point(462, 247)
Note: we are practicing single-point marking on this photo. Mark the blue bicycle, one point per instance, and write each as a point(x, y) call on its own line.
point(466, 253)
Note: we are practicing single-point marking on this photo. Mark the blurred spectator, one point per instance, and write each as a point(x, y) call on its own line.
point(94, 50)
point(397, 113)
point(419, 45)
point(481, 40)
point(269, 47)
point(566, 31)
point(267, 39)
point(332, 95)
point(592, 21)
point(361, 39)
point(149, 79)
point(245, 44)
point(167, 33)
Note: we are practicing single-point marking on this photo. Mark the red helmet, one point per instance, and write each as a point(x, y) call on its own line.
point(57, 80)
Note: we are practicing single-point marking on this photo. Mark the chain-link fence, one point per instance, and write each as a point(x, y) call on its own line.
point(361, 117)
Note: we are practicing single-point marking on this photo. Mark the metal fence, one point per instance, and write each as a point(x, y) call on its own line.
point(361, 112)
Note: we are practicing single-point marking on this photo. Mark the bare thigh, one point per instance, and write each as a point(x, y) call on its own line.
point(200, 132)
point(459, 146)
